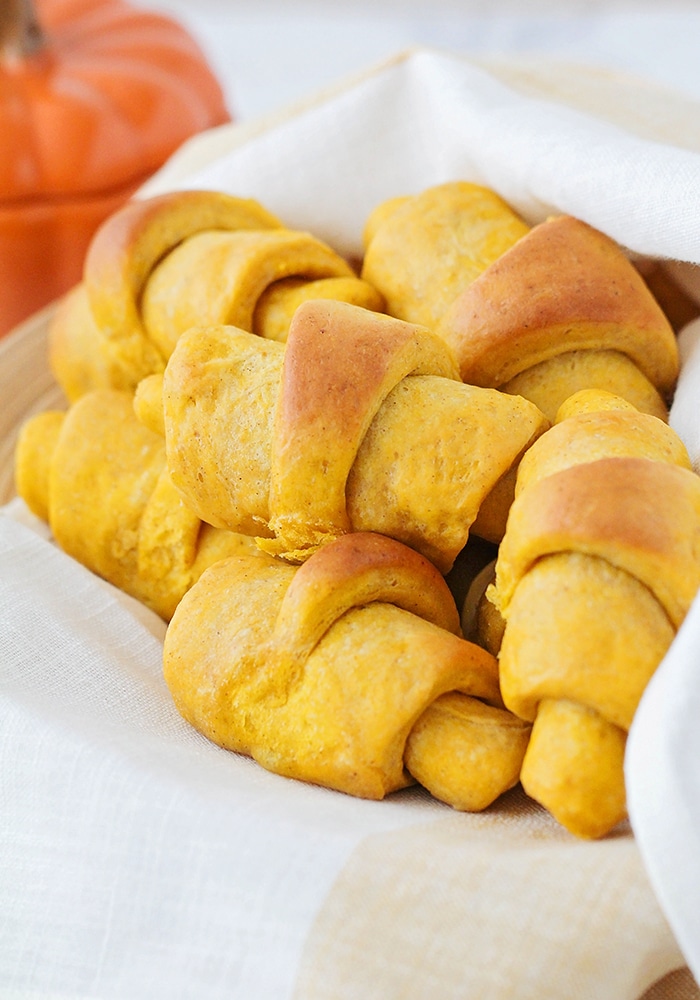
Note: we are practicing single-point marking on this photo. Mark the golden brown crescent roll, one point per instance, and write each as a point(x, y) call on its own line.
point(250, 279)
point(529, 322)
point(348, 672)
point(99, 479)
point(539, 312)
point(161, 265)
point(358, 423)
point(421, 251)
point(589, 425)
point(97, 337)
point(33, 454)
point(595, 573)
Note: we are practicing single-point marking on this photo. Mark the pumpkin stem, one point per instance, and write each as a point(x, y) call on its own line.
point(20, 31)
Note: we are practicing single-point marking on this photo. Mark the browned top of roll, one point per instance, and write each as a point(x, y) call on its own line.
point(562, 287)
point(642, 516)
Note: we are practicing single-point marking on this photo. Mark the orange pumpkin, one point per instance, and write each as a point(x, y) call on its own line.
point(95, 95)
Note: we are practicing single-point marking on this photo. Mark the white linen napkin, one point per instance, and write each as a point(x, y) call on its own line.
point(432, 117)
point(137, 860)
point(663, 750)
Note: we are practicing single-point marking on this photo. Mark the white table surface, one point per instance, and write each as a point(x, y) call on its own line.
point(270, 53)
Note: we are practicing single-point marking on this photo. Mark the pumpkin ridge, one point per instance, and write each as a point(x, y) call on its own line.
point(95, 96)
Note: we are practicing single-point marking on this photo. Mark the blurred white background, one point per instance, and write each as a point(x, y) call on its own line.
point(270, 53)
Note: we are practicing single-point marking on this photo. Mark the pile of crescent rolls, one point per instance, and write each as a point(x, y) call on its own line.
point(289, 456)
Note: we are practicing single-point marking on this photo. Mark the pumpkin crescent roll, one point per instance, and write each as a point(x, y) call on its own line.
point(348, 671)
point(98, 477)
point(358, 423)
point(539, 312)
point(97, 337)
point(529, 321)
point(242, 279)
point(591, 424)
point(164, 264)
point(422, 250)
point(598, 567)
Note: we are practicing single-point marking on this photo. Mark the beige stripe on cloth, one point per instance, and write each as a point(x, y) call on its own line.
point(470, 906)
